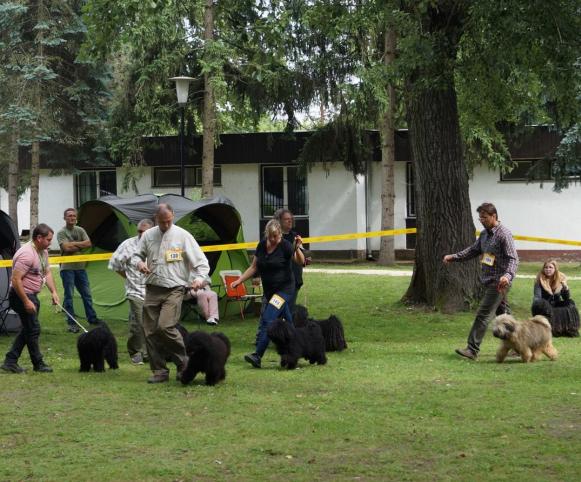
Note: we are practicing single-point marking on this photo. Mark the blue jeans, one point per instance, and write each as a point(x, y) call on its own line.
point(268, 314)
point(77, 278)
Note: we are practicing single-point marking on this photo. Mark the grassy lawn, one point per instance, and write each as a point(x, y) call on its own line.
point(397, 405)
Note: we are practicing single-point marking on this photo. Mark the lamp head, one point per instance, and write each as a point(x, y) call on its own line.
point(182, 87)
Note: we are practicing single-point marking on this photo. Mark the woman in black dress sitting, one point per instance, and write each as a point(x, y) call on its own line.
point(552, 299)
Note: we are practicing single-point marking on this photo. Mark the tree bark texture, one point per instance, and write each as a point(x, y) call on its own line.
point(13, 177)
point(35, 162)
point(209, 114)
point(387, 135)
point(444, 220)
point(34, 184)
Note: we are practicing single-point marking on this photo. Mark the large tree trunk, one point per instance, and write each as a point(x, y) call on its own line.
point(35, 164)
point(444, 220)
point(13, 177)
point(387, 135)
point(34, 183)
point(209, 115)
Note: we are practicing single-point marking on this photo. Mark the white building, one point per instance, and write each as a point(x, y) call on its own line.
point(258, 172)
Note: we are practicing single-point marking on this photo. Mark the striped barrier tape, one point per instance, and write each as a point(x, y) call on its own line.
point(311, 239)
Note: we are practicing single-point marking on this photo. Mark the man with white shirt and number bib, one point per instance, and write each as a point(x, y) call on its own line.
point(173, 262)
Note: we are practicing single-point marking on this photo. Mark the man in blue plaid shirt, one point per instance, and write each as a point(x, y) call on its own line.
point(499, 261)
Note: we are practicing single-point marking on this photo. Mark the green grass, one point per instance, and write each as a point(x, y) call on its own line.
point(397, 405)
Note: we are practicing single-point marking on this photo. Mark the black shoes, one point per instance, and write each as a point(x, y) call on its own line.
point(73, 329)
point(12, 368)
point(15, 368)
point(467, 353)
point(253, 359)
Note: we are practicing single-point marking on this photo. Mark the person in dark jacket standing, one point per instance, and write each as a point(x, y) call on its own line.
point(499, 261)
point(286, 220)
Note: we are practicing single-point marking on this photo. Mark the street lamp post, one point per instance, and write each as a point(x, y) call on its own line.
point(182, 87)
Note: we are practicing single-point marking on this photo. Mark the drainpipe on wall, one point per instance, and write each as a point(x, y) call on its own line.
point(368, 252)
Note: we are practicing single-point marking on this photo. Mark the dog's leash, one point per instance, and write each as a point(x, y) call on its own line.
point(72, 318)
point(69, 315)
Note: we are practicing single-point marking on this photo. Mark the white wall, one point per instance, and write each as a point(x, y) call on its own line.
point(400, 208)
point(56, 193)
point(144, 185)
point(23, 209)
point(529, 210)
point(241, 184)
point(336, 206)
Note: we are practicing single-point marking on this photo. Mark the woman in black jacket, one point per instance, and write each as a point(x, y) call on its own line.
point(552, 298)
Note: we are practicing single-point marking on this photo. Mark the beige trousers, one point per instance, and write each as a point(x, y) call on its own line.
point(161, 313)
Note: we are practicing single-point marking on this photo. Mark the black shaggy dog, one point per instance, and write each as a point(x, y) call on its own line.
point(207, 353)
point(332, 328)
point(293, 343)
point(95, 347)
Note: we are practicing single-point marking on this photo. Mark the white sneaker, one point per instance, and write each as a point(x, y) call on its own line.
point(137, 359)
point(211, 321)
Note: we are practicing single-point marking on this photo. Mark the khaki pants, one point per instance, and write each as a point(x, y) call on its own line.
point(136, 339)
point(161, 313)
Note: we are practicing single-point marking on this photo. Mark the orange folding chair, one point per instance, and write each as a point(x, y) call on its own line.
point(239, 294)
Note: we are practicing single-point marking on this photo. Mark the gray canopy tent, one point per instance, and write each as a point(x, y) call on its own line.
point(111, 219)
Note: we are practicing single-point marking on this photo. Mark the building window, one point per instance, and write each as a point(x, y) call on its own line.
point(529, 170)
point(92, 185)
point(170, 176)
point(217, 176)
point(410, 191)
point(284, 187)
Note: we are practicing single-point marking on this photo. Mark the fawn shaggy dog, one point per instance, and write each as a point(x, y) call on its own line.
point(529, 338)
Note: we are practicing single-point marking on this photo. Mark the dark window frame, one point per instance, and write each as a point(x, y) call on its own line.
point(410, 191)
point(195, 172)
point(520, 172)
point(95, 185)
point(301, 190)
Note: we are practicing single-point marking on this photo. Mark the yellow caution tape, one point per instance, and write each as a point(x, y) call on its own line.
point(547, 240)
point(312, 239)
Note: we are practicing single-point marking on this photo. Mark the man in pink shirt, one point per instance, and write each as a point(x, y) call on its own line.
point(30, 270)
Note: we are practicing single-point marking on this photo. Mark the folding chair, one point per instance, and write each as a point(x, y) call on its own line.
point(239, 293)
point(190, 308)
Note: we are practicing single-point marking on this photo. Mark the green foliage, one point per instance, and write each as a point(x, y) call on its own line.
point(515, 68)
point(338, 141)
point(150, 42)
point(567, 168)
point(49, 95)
